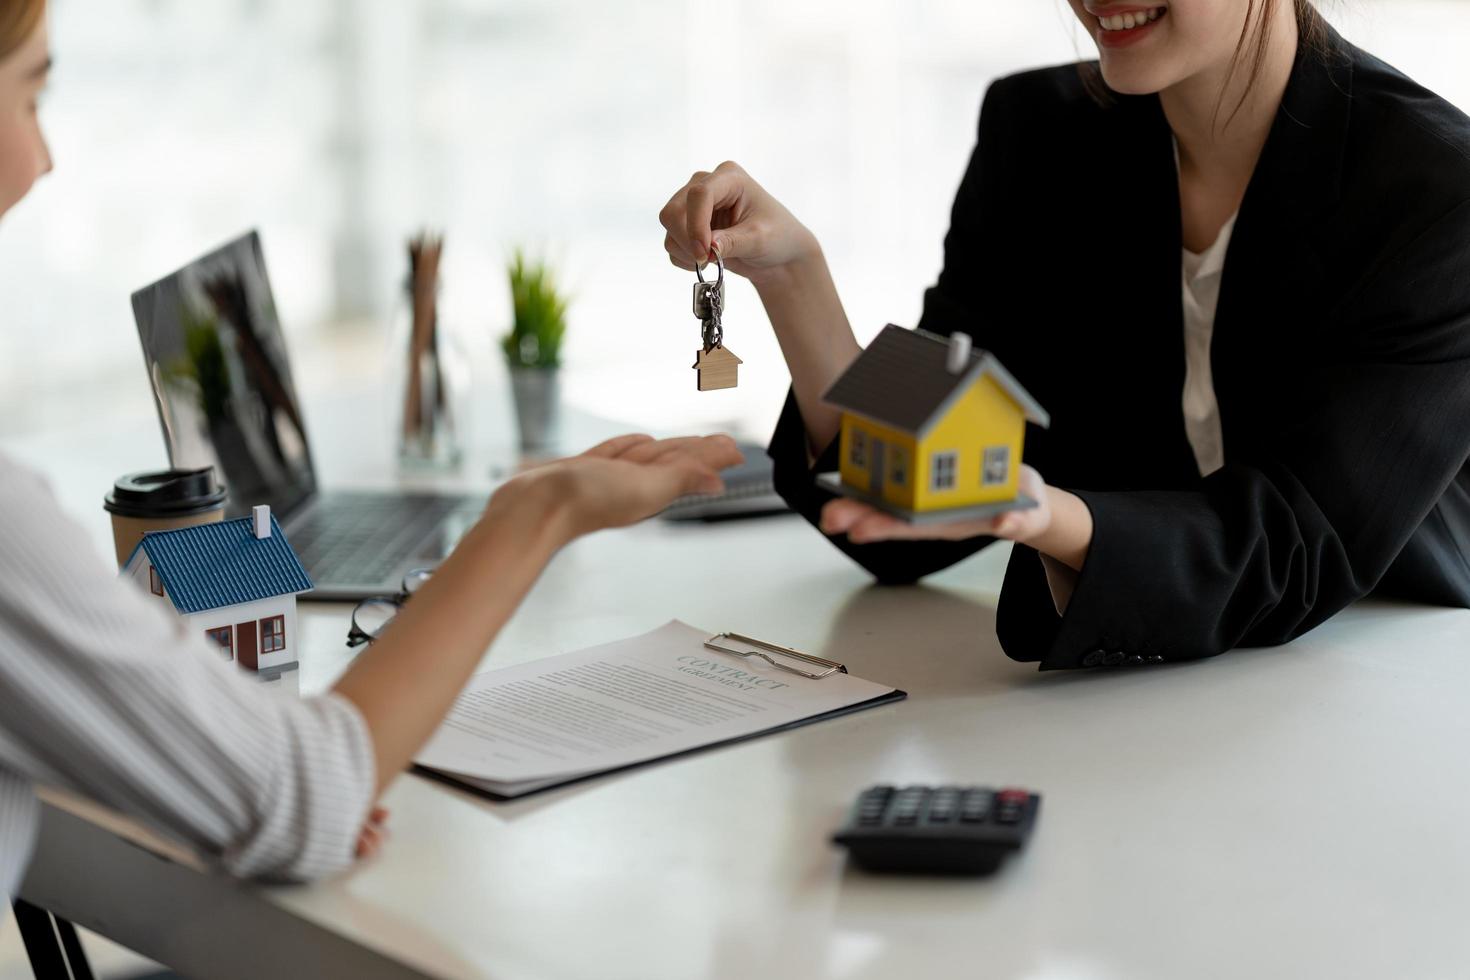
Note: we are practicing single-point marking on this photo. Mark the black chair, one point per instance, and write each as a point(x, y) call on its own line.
point(51, 943)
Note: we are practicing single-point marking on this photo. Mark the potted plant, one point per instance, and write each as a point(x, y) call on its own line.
point(533, 350)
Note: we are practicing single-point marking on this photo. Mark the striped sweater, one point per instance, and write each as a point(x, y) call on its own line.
point(103, 695)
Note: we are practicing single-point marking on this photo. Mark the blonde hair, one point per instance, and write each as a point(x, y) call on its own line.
point(18, 18)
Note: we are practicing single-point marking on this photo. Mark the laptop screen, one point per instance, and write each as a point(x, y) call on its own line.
point(217, 363)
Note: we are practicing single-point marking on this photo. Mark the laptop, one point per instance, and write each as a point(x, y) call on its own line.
point(750, 491)
point(221, 379)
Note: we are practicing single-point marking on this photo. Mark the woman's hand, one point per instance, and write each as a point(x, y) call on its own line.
point(406, 682)
point(759, 239)
point(370, 838)
point(619, 482)
point(730, 212)
point(1060, 525)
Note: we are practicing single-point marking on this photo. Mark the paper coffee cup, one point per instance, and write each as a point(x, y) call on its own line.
point(158, 501)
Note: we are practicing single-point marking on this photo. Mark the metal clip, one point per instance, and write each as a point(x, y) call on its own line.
point(831, 666)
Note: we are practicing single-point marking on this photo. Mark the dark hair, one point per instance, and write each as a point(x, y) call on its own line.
point(18, 18)
point(1310, 25)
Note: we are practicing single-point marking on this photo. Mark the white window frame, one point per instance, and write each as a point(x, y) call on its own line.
point(1004, 453)
point(857, 450)
point(950, 456)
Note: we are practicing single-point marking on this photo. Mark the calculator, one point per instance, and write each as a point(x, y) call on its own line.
point(962, 830)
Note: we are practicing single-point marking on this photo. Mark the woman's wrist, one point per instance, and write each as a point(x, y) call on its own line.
point(530, 507)
point(1068, 535)
point(806, 266)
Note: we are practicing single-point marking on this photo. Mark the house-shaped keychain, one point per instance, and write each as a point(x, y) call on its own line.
point(718, 368)
point(931, 429)
point(235, 582)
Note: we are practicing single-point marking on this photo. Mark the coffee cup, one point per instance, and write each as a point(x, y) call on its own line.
point(159, 501)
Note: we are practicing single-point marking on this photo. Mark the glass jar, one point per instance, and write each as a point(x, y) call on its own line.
point(433, 381)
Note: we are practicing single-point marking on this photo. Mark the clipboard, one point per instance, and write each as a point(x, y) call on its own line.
point(772, 654)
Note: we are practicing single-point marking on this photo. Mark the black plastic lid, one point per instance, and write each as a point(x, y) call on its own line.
point(165, 493)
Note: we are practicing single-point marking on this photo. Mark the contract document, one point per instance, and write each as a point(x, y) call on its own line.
point(529, 727)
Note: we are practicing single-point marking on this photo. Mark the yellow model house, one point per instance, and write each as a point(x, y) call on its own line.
point(931, 429)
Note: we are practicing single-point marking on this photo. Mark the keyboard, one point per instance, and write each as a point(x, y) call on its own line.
point(749, 492)
point(349, 540)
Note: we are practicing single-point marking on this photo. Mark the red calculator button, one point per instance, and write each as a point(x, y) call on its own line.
point(1014, 796)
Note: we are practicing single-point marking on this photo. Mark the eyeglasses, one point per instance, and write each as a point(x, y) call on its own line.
point(371, 616)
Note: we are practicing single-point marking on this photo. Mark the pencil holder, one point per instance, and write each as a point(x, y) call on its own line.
point(431, 389)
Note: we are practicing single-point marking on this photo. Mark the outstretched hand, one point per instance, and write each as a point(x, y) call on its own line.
point(623, 480)
point(1059, 525)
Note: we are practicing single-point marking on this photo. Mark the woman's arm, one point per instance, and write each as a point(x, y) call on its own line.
point(804, 443)
point(406, 681)
point(728, 212)
point(815, 337)
point(104, 694)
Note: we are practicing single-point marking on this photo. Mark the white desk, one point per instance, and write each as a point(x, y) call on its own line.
point(1279, 813)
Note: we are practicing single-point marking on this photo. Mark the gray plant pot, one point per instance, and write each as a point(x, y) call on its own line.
point(537, 394)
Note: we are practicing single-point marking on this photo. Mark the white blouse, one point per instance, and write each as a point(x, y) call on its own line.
point(1201, 277)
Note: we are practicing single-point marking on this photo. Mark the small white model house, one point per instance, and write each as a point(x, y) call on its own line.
point(236, 582)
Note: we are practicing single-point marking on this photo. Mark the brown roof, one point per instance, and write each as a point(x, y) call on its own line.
point(709, 355)
point(902, 380)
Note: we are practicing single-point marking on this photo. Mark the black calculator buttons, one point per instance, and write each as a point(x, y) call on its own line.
point(938, 830)
point(944, 805)
point(976, 806)
point(872, 805)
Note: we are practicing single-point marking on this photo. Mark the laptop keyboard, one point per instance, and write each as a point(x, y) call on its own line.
point(363, 539)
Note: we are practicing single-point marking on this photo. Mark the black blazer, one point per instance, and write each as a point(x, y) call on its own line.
point(1341, 362)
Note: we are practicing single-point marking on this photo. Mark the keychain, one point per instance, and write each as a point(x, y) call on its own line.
point(717, 366)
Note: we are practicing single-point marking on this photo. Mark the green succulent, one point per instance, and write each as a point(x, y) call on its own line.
point(540, 316)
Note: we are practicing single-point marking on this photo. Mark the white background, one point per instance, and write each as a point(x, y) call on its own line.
point(339, 126)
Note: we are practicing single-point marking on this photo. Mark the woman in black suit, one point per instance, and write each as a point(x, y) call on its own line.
point(1232, 259)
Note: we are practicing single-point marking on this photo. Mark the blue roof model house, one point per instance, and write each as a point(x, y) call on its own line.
point(234, 581)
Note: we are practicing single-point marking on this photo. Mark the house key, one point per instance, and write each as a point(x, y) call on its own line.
point(717, 366)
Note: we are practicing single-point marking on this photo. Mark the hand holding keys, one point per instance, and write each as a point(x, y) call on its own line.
point(717, 366)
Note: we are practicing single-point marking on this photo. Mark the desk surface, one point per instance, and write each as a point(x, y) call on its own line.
point(1274, 813)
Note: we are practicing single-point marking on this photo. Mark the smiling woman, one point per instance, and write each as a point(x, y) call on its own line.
point(1254, 25)
point(1211, 481)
